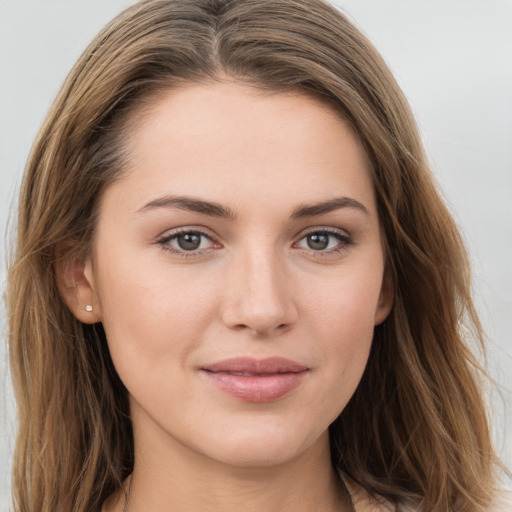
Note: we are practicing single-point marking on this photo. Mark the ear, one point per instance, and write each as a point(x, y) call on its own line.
point(386, 298)
point(75, 280)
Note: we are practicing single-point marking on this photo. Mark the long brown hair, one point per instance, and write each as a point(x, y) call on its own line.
point(415, 429)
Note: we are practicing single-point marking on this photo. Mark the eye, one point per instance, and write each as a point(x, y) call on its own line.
point(186, 242)
point(325, 241)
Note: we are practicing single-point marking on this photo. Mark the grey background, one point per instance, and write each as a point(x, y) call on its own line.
point(453, 58)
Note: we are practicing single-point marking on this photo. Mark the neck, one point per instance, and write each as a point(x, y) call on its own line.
point(188, 481)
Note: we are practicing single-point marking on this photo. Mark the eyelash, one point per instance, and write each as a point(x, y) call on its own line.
point(345, 242)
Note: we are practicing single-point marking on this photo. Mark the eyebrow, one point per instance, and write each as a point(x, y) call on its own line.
point(311, 210)
point(214, 209)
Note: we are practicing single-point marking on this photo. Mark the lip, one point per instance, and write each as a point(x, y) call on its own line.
point(256, 380)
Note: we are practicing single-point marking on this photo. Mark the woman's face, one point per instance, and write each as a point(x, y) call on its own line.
point(238, 272)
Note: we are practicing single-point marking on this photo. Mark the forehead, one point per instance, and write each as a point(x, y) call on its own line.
point(230, 141)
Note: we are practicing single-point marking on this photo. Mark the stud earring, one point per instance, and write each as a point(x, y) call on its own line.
point(88, 308)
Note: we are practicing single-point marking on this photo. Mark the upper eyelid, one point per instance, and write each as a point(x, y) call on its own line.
point(324, 229)
point(169, 233)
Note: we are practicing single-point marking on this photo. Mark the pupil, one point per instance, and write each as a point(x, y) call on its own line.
point(318, 242)
point(189, 241)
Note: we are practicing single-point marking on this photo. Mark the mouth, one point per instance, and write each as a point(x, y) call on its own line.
point(254, 380)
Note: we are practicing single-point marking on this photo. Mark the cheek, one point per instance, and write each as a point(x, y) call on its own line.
point(341, 320)
point(152, 313)
point(345, 305)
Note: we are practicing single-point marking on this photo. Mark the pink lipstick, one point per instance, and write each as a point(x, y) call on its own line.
point(256, 380)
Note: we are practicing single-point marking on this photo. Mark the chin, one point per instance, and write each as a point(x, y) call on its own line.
point(257, 457)
point(260, 447)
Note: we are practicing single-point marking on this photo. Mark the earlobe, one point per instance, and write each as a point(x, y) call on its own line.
point(386, 299)
point(75, 280)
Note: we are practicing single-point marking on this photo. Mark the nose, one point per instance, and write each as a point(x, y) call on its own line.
point(258, 294)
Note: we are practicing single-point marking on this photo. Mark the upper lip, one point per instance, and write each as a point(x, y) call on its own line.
point(269, 365)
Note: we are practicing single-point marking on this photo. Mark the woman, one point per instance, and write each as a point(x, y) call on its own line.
point(255, 295)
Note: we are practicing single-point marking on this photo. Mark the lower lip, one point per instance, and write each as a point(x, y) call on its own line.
point(257, 388)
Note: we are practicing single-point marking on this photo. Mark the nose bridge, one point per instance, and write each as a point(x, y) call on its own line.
point(258, 296)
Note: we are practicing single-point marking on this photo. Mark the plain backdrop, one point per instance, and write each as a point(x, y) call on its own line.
point(453, 58)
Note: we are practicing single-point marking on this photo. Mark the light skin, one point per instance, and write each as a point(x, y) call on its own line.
point(280, 255)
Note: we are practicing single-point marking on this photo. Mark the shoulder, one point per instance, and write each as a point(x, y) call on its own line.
point(502, 502)
point(364, 502)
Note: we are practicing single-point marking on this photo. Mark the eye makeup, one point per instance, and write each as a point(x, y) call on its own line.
point(190, 242)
